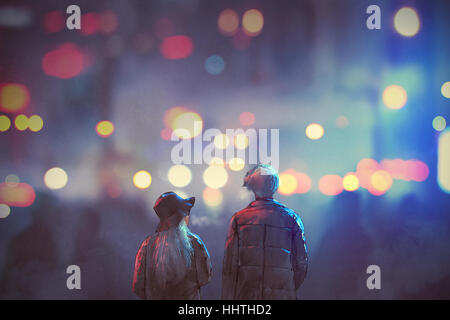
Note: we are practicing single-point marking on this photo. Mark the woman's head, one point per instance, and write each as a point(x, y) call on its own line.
point(172, 209)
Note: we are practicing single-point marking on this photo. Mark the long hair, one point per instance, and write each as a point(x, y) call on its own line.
point(170, 257)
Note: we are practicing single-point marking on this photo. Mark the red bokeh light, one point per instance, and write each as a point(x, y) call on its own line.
point(17, 195)
point(331, 185)
point(90, 23)
point(65, 62)
point(166, 134)
point(247, 118)
point(177, 47)
point(304, 182)
point(53, 21)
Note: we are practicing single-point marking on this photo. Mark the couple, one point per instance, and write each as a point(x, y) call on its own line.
point(265, 252)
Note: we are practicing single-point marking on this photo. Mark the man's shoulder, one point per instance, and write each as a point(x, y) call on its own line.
point(273, 206)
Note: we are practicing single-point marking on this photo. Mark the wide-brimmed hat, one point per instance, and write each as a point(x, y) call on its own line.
point(171, 209)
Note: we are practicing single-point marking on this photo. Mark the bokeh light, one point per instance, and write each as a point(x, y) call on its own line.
point(394, 97)
point(171, 114)
point(212, 197)
point(54, 21)
point(187, 125)
point(215, 177)
point(350, 182)
point(177, 47)
point(5, 123)
point(5, 210)
point(236, 164)
point(288, 183)
point(17, 195)
point(217, 162)
point(364, 170)
point(381, 181)
point(314, 131)
point(13, 97)
point(304, 182)
point(252, 22)
point(21, 122)
point(64, 62)
point(221, 141)
point(142, 179)
point(439, 123)
point(407, 22)
point(331, 185)
point(342, 122)
point(179, 175)
point(12, 180)
point(108, 22)
point(443, 176)
point(90, 23)
point(214, 65)
point(445, 89)
point(241, 141)
point(55, 178)
point(228, 22)
point(247, 118)
point(105, 128)
point(35, 123)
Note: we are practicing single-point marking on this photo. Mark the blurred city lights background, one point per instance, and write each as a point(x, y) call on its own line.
point(87, 120)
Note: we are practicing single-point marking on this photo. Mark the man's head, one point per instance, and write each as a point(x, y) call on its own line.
point(262, 180)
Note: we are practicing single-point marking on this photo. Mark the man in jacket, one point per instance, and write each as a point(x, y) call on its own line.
point(265, 252)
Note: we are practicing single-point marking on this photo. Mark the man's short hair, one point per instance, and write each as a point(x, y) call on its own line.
point(262, 180)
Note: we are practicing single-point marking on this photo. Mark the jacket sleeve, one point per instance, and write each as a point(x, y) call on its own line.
point(139, 271)
point(203, 264)
point(230, 262)
point(299, 253)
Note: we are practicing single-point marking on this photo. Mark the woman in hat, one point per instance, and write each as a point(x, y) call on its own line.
point(173, 263)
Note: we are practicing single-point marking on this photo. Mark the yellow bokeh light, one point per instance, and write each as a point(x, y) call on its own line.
point(445, 89)
point(179, 175)
point(5, 123)
point(35, 123)
point(314, 131)
point(215, 177)
point(142, 179)
point(350, 182)
point(105, 128)
point(13, 97)
point(217, 162)
point(55, 178)
point(5, 210)
point(187, 125)
point(288, 184)
point(381, 180)
point(21, 122)
point(241, 141)
point(395, 97)
point(212, 197)
point(236, 164)
point(228, 22)
point(221, 141)
point(253, 22)
point(407, 22)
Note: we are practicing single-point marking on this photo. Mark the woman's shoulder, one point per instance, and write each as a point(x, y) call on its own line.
point(196, 240)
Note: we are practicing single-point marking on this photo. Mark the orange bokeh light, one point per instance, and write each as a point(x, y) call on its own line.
point(331, 185)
